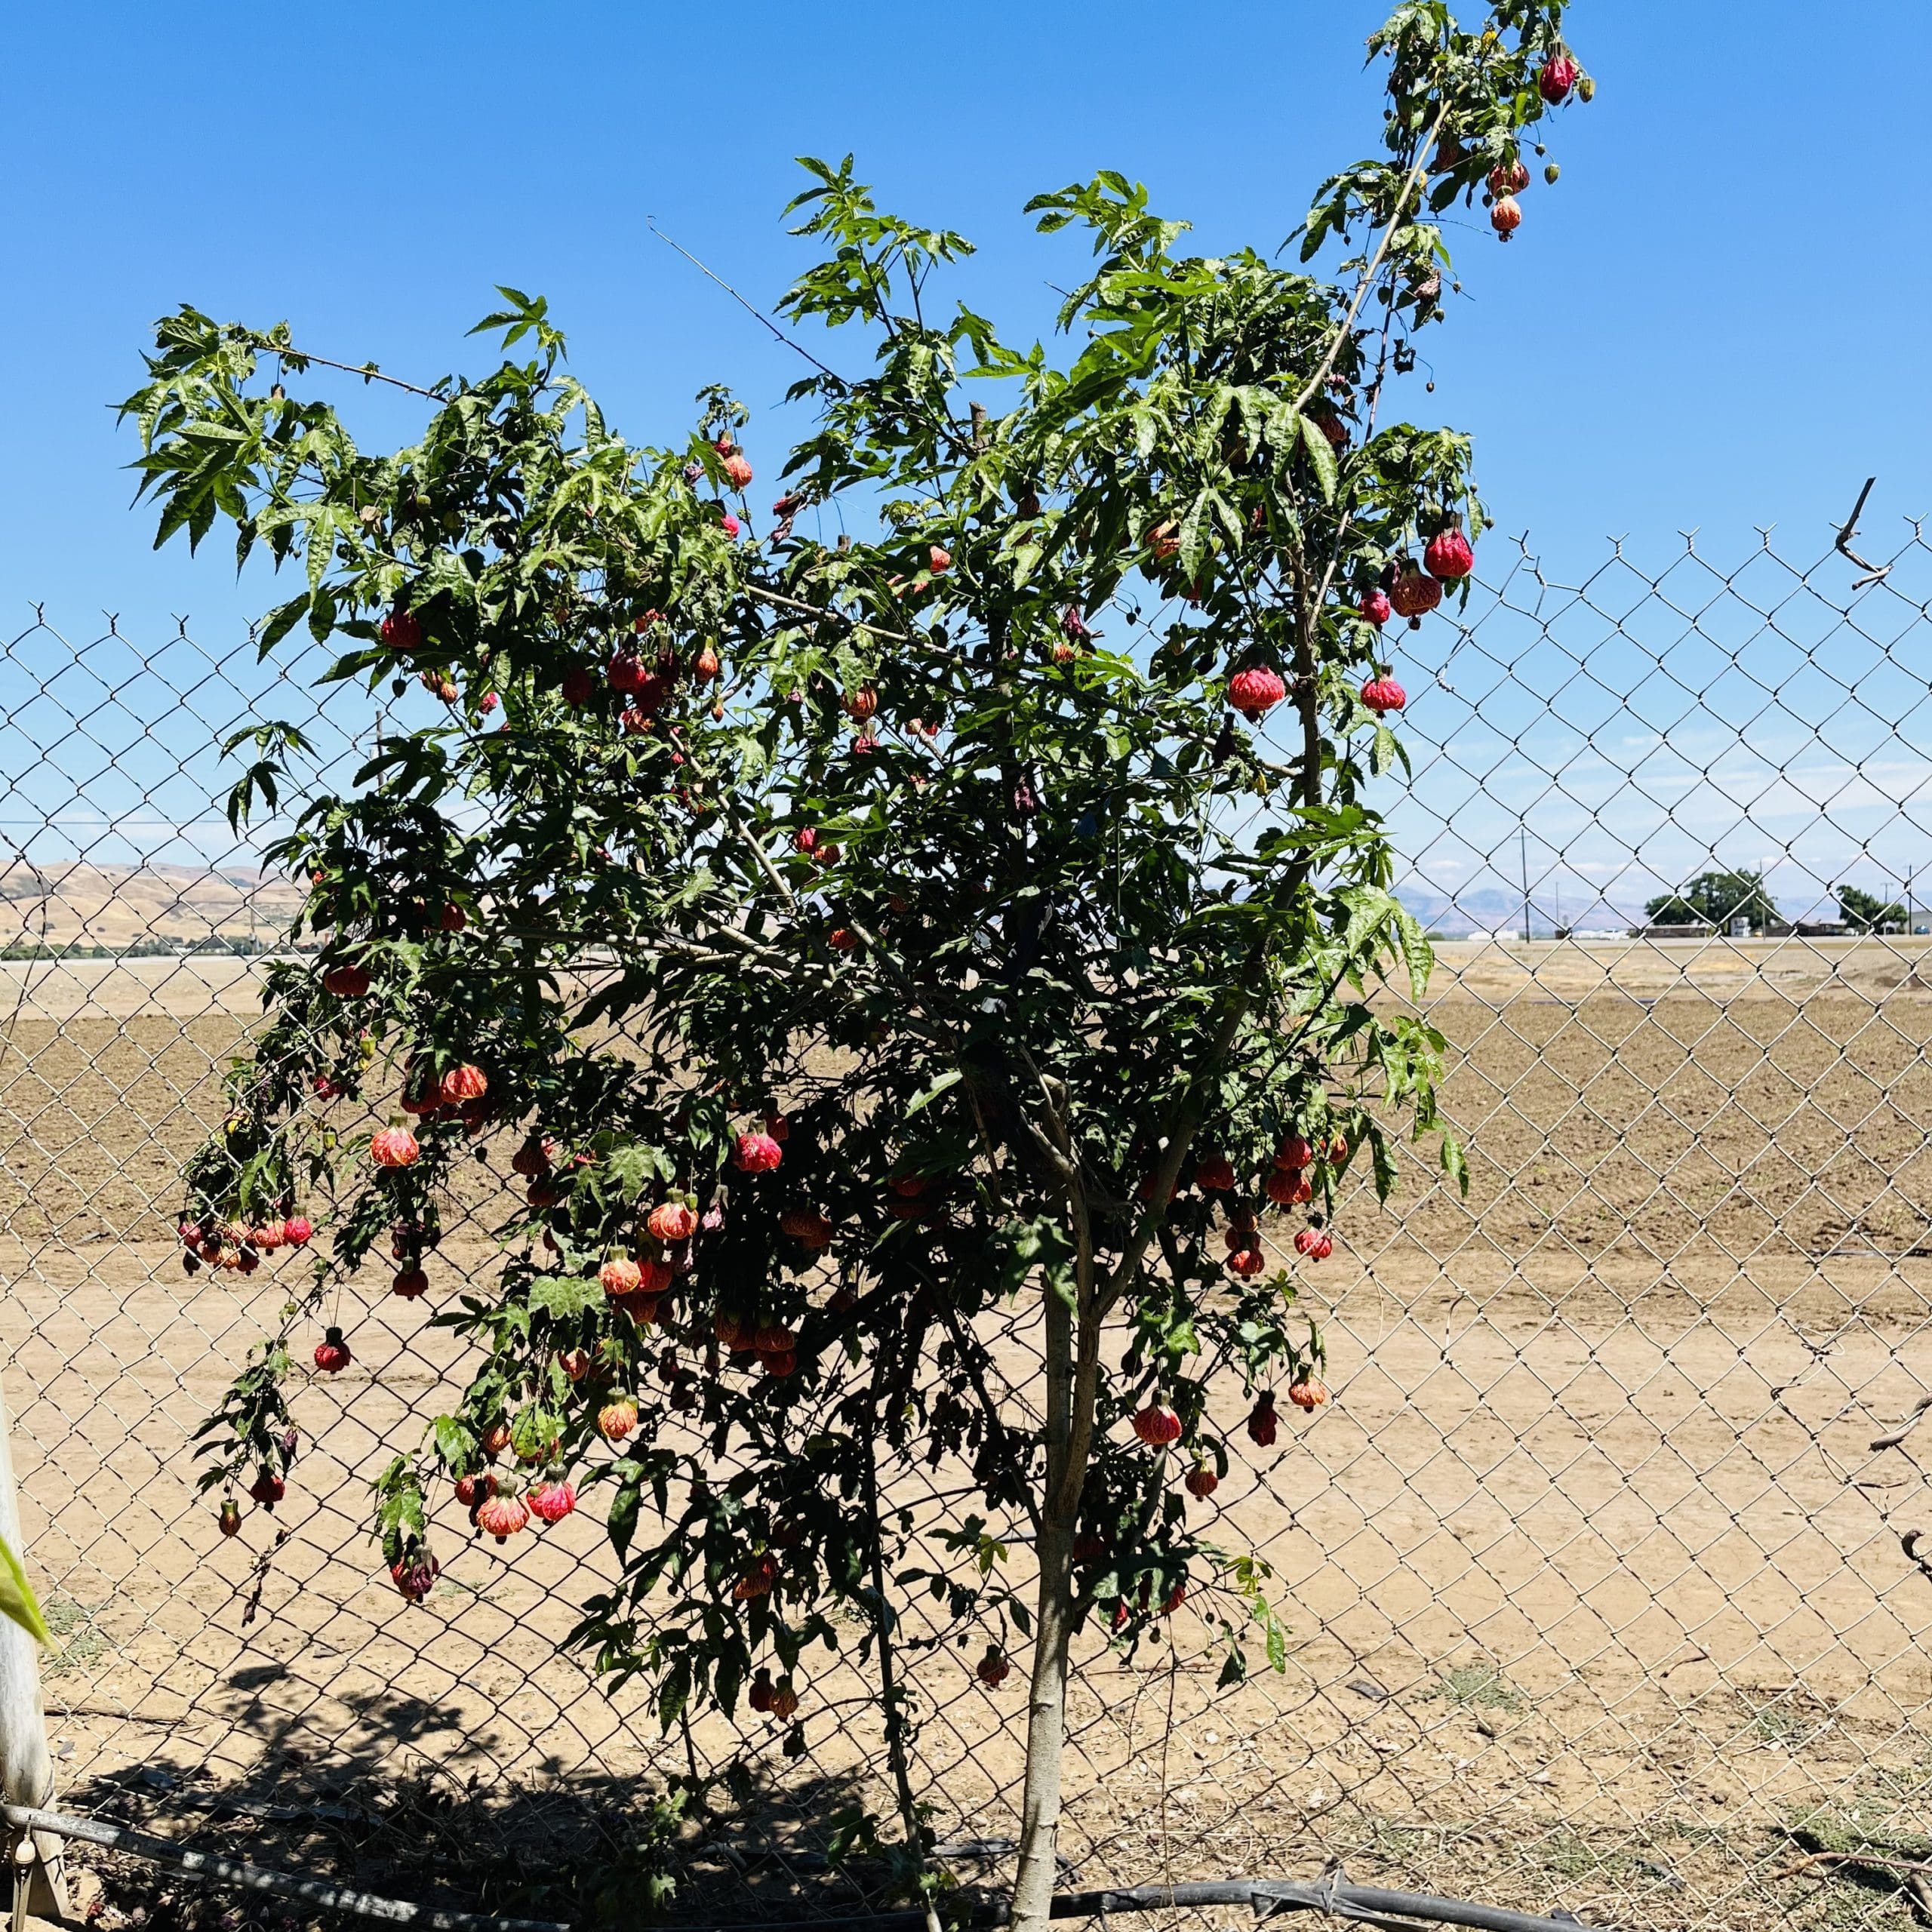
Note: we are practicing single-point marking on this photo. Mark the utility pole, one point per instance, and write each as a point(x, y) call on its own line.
point(1523, 848)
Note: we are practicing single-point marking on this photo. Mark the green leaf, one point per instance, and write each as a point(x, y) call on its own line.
point(565, 1296)
point(1384, 1167)
point(622, 1521)
point(353, 665)
point(260, 777)
point(17, 1600)
point(944, 1083)
point(532, 1433)
point(1321, 459)
point(280, 622)
point(1417, 954)
point(454, 1443)
point(1278, 1642)
point(674, 1694)
point(1282, 428)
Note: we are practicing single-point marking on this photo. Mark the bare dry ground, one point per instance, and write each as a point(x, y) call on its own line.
point(1596, 1587)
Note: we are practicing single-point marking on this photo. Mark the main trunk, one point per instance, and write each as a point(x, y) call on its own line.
point(1046, 1710)
point(1046, 1732)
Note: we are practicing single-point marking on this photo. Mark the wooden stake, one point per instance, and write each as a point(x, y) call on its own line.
point(27, 1766)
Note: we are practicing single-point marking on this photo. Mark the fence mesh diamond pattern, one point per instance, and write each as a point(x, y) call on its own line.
point(1601, 1597)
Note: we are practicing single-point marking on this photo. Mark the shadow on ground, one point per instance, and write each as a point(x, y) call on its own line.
point(605, 1851)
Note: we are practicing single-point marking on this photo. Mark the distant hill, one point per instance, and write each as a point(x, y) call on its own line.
point(63, 904)
point(1491, 910)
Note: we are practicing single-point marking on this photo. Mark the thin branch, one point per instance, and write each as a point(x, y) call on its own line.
point(692, 955)
point(1910, 1543)
point(1307, 694)
point(796, 347)
point(1187, 1121)
point(1065, 1158)
point(1347, 517)
point(1816, 1858)
point(970, 1361)
point(912, 1017)
point(1058, 1151)
point(367, 370)
point(986, 1143)
point(755, 846)
point(1907, 1424)
point(1874, 573)
point(765, 595)
point(1366, 281)
point(1055, 1160)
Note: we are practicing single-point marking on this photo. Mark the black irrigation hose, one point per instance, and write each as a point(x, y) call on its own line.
point(1364, 1904)
point(1334, 1897)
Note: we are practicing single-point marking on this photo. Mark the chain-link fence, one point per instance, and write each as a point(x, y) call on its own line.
point(1600, 1596)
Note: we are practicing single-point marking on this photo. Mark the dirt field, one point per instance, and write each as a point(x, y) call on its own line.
point(1596, 1585)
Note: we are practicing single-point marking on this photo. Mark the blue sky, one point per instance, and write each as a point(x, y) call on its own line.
point(1714, 320)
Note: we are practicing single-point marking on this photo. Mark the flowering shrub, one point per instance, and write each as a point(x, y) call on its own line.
point(848, 946)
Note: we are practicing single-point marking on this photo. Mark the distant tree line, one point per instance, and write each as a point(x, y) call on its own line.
point(1864, 911)
point(230, 945)
point(1715, 899)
